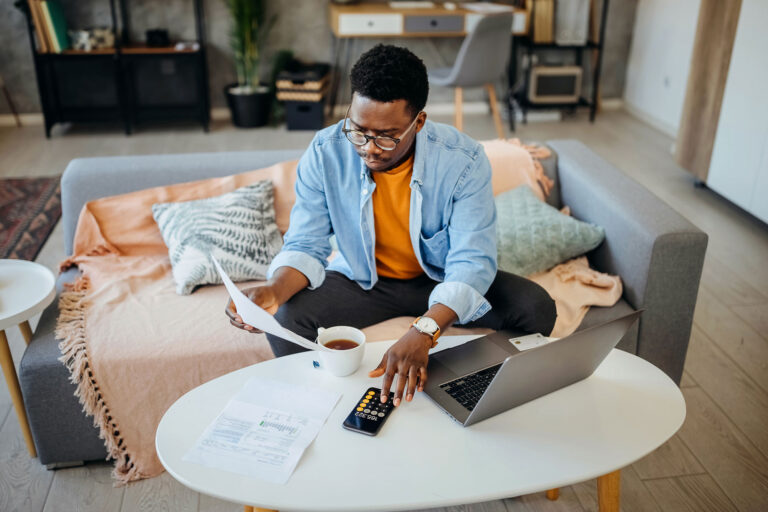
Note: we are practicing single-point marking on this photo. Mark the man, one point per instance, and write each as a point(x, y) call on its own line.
point(411, 206)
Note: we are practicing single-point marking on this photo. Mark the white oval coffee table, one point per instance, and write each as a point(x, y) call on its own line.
point(26, 289)
point(422, 458)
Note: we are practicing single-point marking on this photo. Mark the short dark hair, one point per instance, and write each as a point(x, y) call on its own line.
point(387, 73)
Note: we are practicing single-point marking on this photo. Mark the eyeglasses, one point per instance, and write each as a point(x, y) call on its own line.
point(358, 138)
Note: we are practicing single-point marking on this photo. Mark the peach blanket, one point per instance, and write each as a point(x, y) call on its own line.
point(133, 346)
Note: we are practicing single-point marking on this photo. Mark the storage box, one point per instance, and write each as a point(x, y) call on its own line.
point(303, 88)
point(303, 77)
point(304, 115)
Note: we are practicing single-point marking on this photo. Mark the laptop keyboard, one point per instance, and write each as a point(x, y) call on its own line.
point(467, 390)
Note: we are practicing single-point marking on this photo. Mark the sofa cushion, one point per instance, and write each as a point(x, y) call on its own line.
point(238, 228)
point(534, 237)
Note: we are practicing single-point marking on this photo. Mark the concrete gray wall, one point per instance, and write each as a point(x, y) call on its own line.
point(302, 26)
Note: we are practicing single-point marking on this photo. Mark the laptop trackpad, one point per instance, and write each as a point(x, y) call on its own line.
point(471, 356)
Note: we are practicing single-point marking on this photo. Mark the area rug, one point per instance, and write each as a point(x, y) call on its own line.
point(29, 210)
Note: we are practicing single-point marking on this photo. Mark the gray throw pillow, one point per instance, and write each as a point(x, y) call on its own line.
point(238, 228)
point(533, 236)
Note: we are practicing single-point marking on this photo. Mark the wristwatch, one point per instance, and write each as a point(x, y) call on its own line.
point(428, 326)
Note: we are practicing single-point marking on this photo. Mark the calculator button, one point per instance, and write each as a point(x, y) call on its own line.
point(366, 411)
point(359, 409)
point(381, 415)
point(365, 400)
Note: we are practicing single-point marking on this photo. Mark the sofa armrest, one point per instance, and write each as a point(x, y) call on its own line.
point(656, 251)
point(86, 179)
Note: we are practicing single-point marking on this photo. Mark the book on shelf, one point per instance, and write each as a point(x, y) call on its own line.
point(35, 10)
point(56, 23)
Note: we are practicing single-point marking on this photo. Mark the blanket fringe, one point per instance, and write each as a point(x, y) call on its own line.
point(70, 330)
point(99, 250)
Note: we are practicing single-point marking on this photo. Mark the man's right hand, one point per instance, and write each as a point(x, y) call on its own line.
point(263, 296)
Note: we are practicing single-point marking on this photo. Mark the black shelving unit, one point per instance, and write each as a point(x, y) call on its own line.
point(130, 83)
point(518, 99)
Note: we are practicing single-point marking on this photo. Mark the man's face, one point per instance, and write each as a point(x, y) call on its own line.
point(387, 119)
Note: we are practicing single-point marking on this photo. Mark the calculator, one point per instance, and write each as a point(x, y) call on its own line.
point(369, 413)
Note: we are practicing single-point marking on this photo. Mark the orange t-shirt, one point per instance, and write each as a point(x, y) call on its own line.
point(391, 211)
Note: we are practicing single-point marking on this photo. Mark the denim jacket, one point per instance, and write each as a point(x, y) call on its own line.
point(452, 216)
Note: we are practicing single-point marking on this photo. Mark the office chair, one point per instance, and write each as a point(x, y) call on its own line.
point(482, 59)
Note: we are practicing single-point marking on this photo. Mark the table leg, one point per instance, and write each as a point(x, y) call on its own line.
point(553, 494)
point(608, 491)
point(12, 381)
point(26, 331)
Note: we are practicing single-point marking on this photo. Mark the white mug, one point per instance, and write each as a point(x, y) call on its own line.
point(341, 362)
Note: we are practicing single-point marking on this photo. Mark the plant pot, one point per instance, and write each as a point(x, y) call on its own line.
point(249, 108)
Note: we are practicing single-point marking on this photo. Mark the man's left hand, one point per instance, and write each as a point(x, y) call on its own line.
point(407, 359)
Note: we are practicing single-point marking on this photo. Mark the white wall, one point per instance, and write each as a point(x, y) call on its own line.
point(739, 166)
point(659, 61)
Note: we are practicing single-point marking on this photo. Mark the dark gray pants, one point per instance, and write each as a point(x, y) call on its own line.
point(517, 304)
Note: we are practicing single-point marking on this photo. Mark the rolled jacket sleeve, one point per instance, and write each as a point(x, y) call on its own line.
point(307, 243)
point(470, 265)
point(464, 300)
point(304, 263)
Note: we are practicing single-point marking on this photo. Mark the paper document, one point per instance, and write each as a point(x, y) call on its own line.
point(530, 341)
point(263, 431)
point(258, 317)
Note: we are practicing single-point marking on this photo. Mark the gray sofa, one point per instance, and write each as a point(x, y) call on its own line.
point(658, 254)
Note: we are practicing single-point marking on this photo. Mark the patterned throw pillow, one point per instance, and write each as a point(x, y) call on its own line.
point(533, 236)
point(238, 228)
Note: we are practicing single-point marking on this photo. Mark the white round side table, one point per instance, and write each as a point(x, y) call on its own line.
point(26, 289)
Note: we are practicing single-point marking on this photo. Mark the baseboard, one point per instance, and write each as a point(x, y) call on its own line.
point(477, 108)
point(468, 107)
point(220, 114)
point(26, 120)
point(439, 109)
point(662, 126)
point(611, 103)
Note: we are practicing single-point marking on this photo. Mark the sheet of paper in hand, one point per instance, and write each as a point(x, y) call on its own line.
point(258, 317)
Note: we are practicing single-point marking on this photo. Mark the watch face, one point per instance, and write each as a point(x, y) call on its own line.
point(427, 324)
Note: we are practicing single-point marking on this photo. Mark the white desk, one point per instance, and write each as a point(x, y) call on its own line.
point(26, 289)
point(350, 23)
point(422, 458)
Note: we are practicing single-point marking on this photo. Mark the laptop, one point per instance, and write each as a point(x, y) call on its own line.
point(489, 375)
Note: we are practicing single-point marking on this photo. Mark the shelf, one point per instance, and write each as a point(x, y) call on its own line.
point(528, 105)
point(147, 50)
point(526, 41)
point(100, 51)
point(128, 75)
point(128, 50)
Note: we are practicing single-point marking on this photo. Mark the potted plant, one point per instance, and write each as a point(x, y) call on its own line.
point(249, 100)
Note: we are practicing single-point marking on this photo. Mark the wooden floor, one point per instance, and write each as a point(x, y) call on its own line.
point(717, 462)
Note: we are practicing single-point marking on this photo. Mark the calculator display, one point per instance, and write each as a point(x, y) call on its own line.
point(369, 414)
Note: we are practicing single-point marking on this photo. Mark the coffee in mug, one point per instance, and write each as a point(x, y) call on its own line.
point(346, 348)
point(341, 344)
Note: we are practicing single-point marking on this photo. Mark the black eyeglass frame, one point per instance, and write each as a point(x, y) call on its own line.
point(376, 138)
